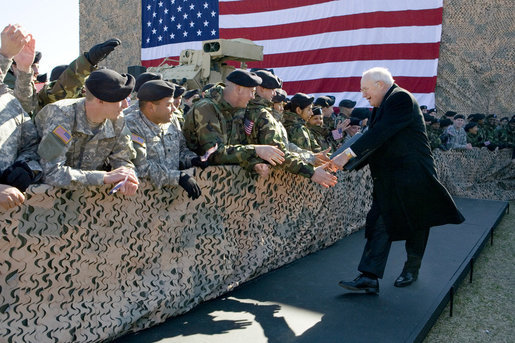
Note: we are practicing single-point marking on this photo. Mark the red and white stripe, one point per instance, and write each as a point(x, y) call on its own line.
point(322, 47)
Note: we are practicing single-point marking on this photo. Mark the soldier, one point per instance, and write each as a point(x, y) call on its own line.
point(209, 123)
point(457, 138)
point(19, 165)
point(188, 99)
point(473, 136)
point(278, 102)
point(490, 129)
point(140, 80)
point(315, 125)
point(158, 140)
point(433, 133)
point(262, 128)
point(83, 137)
point(506, 136)
point(346, 106)
point(295, 122)
point(177, 99)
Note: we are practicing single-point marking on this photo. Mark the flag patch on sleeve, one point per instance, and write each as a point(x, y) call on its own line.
point(63, 134)
point(248, 125)
point(137, 139)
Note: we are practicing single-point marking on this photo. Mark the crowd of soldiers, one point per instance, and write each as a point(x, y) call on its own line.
point(92, 126)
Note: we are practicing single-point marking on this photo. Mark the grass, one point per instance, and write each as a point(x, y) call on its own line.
point(484, 310)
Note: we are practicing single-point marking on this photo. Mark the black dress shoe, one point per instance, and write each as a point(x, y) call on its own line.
point(405, 279)
point(361, 284)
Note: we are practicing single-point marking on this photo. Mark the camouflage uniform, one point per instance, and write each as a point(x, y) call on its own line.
point(477, 140)
point(457, 138)
point(24, 88)
point(72, 153)
point(490, 134)
point(210, 121)
point(434, 137)
point(267, 130)
point(320, 135)
point(298, 133)
point(18, 135)
point(179, 114)
point(506, 137)
point(159, 148)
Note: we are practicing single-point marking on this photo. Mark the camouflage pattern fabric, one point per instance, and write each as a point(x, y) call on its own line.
point(210, 122)
point(23, 87)
point(298, 133)
point(320, 135)
point(178, 113)
point(434, 137)
point(159, 148)
point(506, 137)
point(18, 136)
point(82, 266)
point(72, 153)
point(477, 140)
point(457, 138)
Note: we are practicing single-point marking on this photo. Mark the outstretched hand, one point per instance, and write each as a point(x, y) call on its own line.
point(13, 39)
point(270, 153)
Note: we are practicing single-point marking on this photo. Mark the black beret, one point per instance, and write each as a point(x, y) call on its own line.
point(491, 116)
point(108, 85)
point(301, 100)
point(433, 120)
point(450, 114)
point(206, 87)
point(459, 116)
point(423, 107)
point(469, 126)
point(432, 110)
point(445, 122)
point(57, 71)
point(333, 99)
point(317, 111)
point(179, 90)
point(361, 112)
point(156, 90)
point(347, 103)
point(244, 78)
point(268, 80)
point(323, 101)
point(144, 77)
point(190, 93)
point(355, 121)
point(505, 119)
point(512, 120)
point(476, 117)
point(42, 77)
point(280, 95)
point(37, 57)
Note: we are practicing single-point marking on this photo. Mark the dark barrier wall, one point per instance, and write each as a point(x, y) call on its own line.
point(83, 266)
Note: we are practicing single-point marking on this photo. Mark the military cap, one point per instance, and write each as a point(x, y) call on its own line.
point(108, 85)
point(301, 100)
point(432, 110)
point(450, 114)
point(42, 77)
point(512, 120)
point(459, 116)
point(347, 103)
point(433, 120)
point(144, 77)
point(444, 122)
point(244, 78)
point(423, 107)
point(156, 90)
point(179, 90)
point(506, 119)
point(57, 71)
point(355, 121)
point(476, 117)
point(317, 111)
point(280, 96)
point(491, 116)
point(333, 99)
point(190, 93)
point(470, 126)
point(361, 112)
point(268, 80)
point(206, 87)
point(323, 101)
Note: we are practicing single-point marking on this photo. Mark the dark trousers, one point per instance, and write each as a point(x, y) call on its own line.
point(378, 245)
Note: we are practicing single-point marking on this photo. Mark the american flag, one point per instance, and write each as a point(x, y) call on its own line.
point(248, 125)
point(319, 47)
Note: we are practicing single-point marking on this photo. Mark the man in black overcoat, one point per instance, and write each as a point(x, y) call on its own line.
point(407, 199)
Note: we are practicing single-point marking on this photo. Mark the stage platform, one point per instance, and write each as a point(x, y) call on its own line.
point(302, 302)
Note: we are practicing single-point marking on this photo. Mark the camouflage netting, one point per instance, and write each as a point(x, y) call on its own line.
point(475, 68)
point(83, 266)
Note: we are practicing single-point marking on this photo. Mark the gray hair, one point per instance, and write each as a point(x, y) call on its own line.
point(379, 74)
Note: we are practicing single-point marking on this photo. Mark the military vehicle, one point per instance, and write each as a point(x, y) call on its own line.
point(199, 67)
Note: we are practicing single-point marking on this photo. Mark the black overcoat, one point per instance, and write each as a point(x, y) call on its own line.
point(406, 193)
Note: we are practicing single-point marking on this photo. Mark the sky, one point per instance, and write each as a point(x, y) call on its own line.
point(53, 23)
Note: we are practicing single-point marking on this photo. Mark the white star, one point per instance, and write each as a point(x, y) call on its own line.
point(148, 40)
point(185, 34)
point(160, 4)
point(192, 24)
point(192, 7)
point(206, 23)
point(213, 14)
point(205, 5)
point(213, 32)
point(179, 9)
point(172, 36)
point(160, 21)
point(179, 26)
point(149, 7)
point(159, 38)
point(199, 14)
point(185, 16)
point(166, 10)
point(149, 24)
point(165, 28)
point(173, 2)
point(199, 33)
point(154, 31)
point(172, 18)
point(154, 14)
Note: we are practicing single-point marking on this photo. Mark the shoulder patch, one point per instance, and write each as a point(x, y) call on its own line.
point(137, 139)
point(63, 134)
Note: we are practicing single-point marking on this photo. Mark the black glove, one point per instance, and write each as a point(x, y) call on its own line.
point(100, 51)
point(190, 186)
point(197, 162)
point(18, 175)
